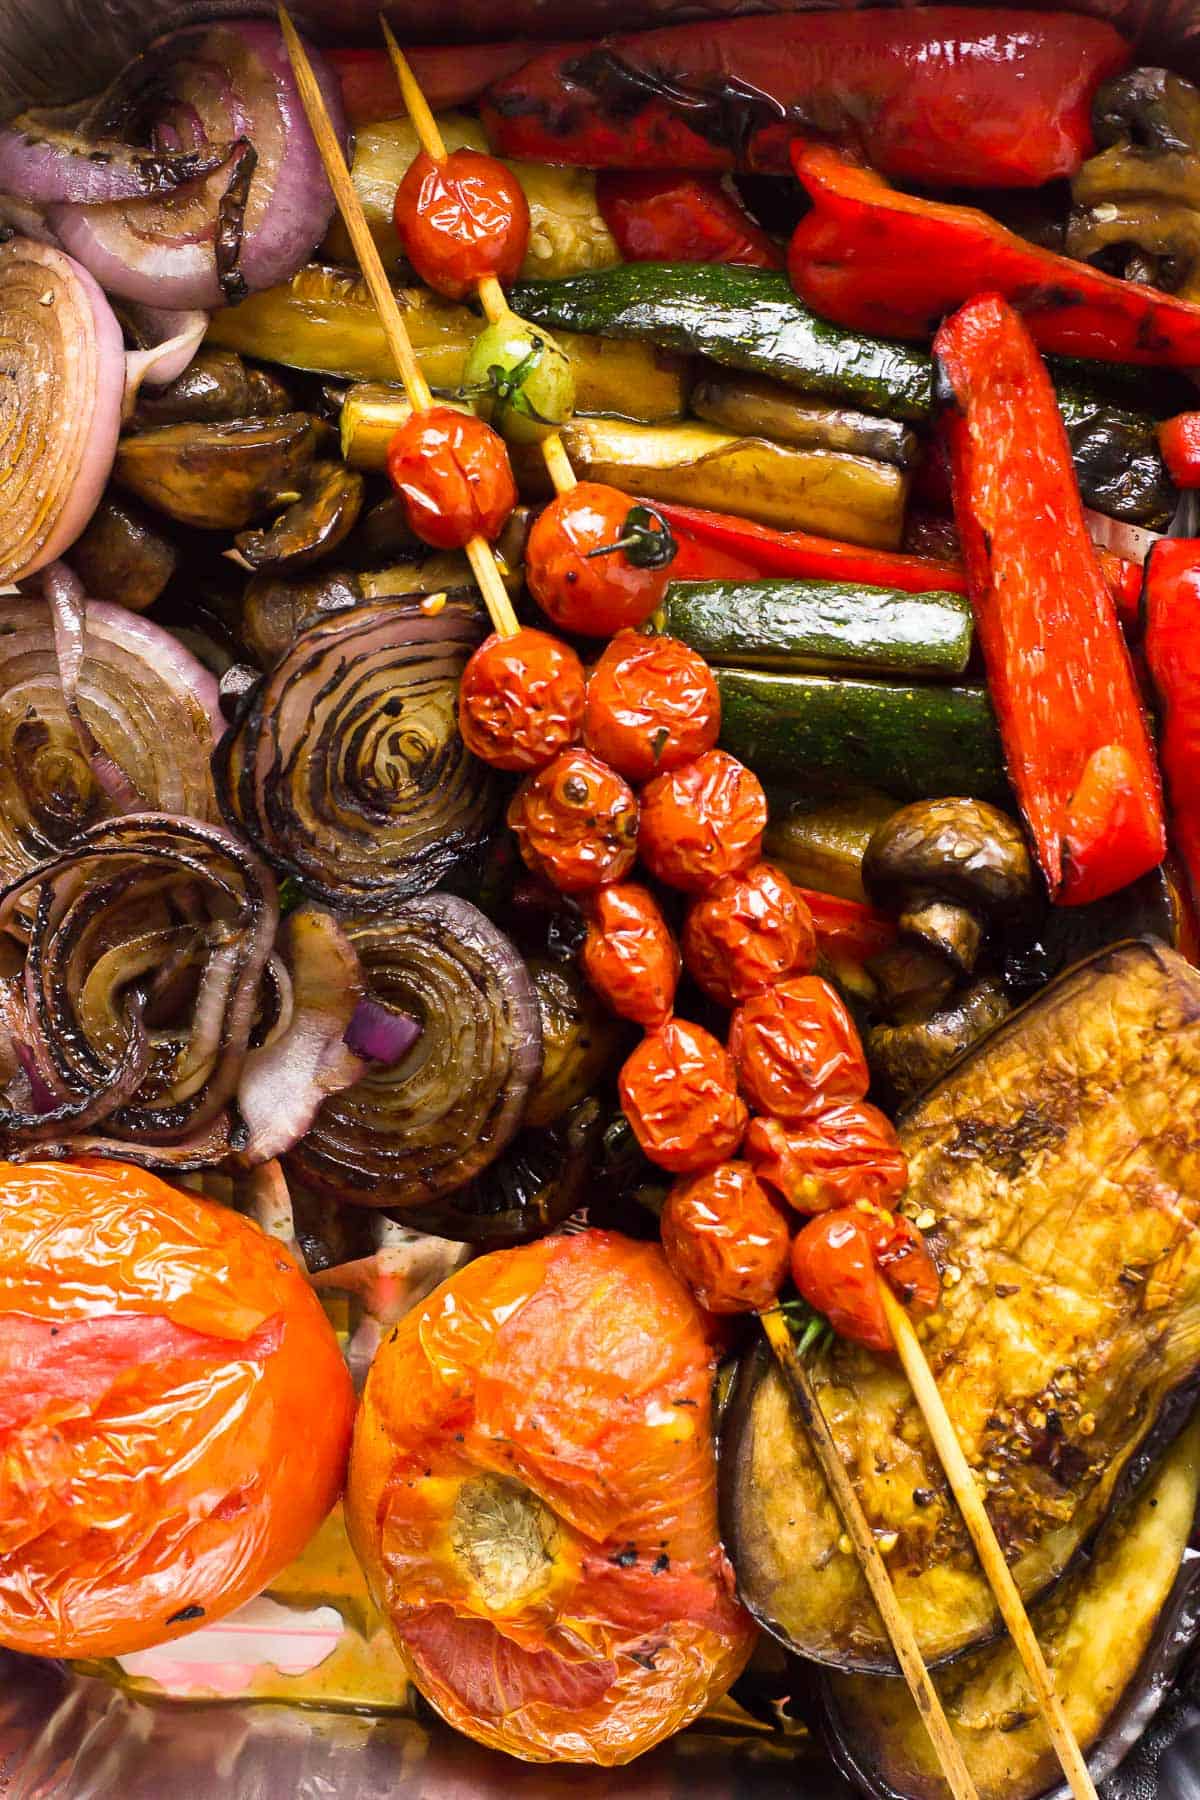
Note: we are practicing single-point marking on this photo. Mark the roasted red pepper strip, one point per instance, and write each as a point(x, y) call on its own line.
point(680, 218)
point(878, 260)
point(1123, 579)
point(928, 95)
point(1179, 441)
point(713, 546)
point(1078, 750)
point(1172, 645)
point(448, 75)
point(847, 931)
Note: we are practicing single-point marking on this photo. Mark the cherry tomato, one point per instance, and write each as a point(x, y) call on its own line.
point(834, 1268)
point(629, 955)
point(521, 700)
point(797, 1051)
point(461, 219)
point(748, 932)
point(847, 1152)
point(597, 561)
point(679, 1093)
point(726, 1238)
point(576, 822)
point(652, 705)
point(453, 474)
point(903, 1258)
point(174, 1410)
point(702, 822)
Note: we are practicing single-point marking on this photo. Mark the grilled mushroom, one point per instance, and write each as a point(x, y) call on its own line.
point(907, 1057)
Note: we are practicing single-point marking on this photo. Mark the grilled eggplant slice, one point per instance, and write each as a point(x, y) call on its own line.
point(1114, 1631)
point(1061, 1162)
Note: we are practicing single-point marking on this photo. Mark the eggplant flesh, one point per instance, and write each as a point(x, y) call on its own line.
point(1059, 1166)
point(1114, 1632)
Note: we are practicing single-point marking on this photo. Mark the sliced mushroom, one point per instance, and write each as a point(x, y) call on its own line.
point(907, 1057)
point(122, 557)
point(219, 476)
point(1137, 204)
point(216, 386)
point(581, 1040)
point(911, 980)
point(949, 868)
point(330, 500)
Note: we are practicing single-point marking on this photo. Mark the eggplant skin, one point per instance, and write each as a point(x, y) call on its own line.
point(1060, 1162)
point(1115, 1631)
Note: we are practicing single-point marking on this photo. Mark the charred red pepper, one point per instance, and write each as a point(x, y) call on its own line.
point(926, 94)
point(1078, 750)
point(680, 218)
point(1123, 579)
point(878, 260)
point(1172, 615)
point(1179, 441)
point(847, 931)
point(448, 75)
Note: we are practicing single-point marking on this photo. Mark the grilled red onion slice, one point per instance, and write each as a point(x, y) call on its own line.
point(146, 707)
point(407, 1133)
point(378, 1034)
point(347, 769)
point(166, 343)
point(248, 223)
point(44, 161)
point(60, 407)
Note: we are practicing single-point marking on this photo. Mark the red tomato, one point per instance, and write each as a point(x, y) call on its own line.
point(748, 932)
point(797, 1051)
point(597, 561)
point(652, 704)
point(702, 822)
point(844, 1153)
point(453, 474)
point(461, 219)
point(174, 1411)
point(679, 1093)
point(724, 1236)
point(629, 955)
point(576, 823)
point(834, 1264)
point(521, 700)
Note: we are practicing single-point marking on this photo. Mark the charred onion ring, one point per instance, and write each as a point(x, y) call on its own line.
point(406, 1134)
point(347, 770)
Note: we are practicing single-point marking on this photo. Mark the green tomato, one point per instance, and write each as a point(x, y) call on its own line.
point(519, 380)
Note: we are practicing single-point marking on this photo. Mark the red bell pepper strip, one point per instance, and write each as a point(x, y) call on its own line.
point(449, 75)
point(929, 95)
point(1172, 647)
point(680, 218)
point(878, 260)
point(1179, 441)
point(847, 931)
point(748, 549)
point(1123, 579)
point(1078, 750)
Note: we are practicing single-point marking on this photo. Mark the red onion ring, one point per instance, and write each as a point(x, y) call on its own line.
point(42, 163)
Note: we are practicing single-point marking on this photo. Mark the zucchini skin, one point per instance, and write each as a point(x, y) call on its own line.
point(822, 625)
point(916, 742)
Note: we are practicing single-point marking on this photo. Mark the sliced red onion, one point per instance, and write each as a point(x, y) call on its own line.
point(67, 602)
point(167, 343)
point(60, 408)
point(220, 84)
point(42, 163)
point(380, 1035)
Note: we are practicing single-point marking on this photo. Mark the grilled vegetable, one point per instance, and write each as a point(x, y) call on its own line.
point(821, 625)
point(218, 476)
point(312, 525)
point(324, 320)
point(1114, 1634)
point(821, 844)
point(122, 557)
point(540, 1180)
point(914, 742)
point(581, 1041)
point(816, 490)
point(909, 1056)
point(755, 404)
point(566, 230)
point(1059, 1161)
point(216, 385)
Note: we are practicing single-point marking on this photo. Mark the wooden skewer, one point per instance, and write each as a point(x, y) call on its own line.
point(970, 1505)
point(491, 294)
point(483, 562)
point(858, 1530)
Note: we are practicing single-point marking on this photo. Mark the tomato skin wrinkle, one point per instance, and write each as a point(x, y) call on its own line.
point(652, 705)
point(460, 219)
point(726, 1238)
point(629, 955)
point(453, 476)
point(748, 932)
point(520, 700)
point(679, 1092)
point(702, 822)
point(576, 822)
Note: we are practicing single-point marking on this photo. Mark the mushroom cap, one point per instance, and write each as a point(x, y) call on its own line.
point(961, 849)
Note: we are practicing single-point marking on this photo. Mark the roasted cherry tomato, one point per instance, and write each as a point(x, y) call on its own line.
point(748, 932)
point(838, 1257)
point(521, 700)
point(597, 561)
point(903, 1258)
point(461, 219)
point(629, 955)
point(726, 1237)
point(679, 1093)
point(453, 474)
point(576, 822)
point(652, 704)
point(797, 1051)
point(702, 822)
point(847, 1152)
point(175, 1414)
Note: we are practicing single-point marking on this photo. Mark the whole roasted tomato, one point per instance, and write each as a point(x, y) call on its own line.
point(797, 1050)
point(702, 822)
point(629, 955)
point(520, 700)
point(679, 1092)
point(652, 704)
point(174, 1411)
point(748, 932)
point(597, 561)
point(576, 822)
point(839, 1258)
point(844, 1153)
point(726, 1237)
point(460, 219)
point(453, 476)
point(533, 1497)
